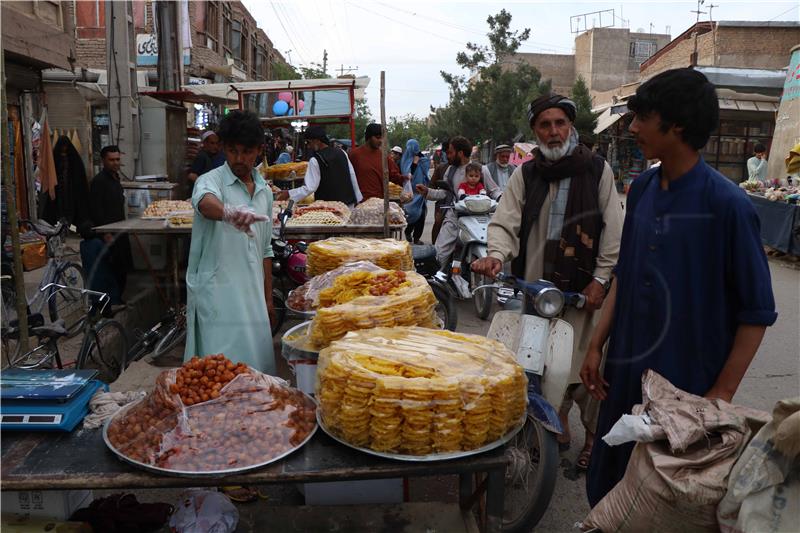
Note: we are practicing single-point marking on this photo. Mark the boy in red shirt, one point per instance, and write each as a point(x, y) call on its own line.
point(472, 184)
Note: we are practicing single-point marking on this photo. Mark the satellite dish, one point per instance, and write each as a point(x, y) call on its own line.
point(640, 30)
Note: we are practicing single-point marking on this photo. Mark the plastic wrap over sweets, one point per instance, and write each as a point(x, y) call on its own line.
point(363, 300)
point(213, 415)
point(306, 297)
point(333, 252)
point(419, 391)
point(370, 213)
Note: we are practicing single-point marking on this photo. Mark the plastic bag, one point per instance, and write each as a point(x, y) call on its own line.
point(411, 302)
point(211, 415)
point(306, 297)
point(370, 213)
point(681, 478)
point(764, 488)
point(328, 254)
point(419, 391)
point(204, 511)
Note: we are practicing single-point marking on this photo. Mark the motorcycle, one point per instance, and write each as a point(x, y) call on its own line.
point(426, 265)
point(288, 267)
point(542, 344)
point(474, 214)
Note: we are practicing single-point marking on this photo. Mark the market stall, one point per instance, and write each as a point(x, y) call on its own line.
point(780, 223)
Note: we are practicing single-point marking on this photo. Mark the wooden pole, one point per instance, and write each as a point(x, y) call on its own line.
point(13, 222)
point(385, 156)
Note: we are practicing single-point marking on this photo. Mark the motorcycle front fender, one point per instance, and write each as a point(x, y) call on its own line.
point(540, 409)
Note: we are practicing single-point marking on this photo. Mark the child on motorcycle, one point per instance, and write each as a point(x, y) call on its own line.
point(473, 183)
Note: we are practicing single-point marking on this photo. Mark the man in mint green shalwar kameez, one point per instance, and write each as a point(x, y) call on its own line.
point(229, 277)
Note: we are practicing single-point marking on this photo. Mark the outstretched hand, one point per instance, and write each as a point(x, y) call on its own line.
point(487, 266)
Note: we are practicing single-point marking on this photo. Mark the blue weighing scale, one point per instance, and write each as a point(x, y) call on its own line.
point(49, 400)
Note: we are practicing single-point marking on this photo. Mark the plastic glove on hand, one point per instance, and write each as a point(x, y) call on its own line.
point(242, 217)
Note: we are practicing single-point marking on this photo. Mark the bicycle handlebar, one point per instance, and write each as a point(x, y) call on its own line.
point(44, 232)
point(102, 296)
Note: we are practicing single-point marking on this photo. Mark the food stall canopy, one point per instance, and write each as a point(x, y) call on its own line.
point(737, 101)
point(607, 119)
point(229, 91)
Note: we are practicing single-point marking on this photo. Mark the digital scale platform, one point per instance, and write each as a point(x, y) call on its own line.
point(49, 400)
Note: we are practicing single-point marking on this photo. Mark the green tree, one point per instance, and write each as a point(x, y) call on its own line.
point(492, 103)
point(283, 71)
point(400, 129)
point(585, 120)
point(363, 116)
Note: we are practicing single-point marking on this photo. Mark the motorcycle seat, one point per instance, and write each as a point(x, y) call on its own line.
point(423, 252)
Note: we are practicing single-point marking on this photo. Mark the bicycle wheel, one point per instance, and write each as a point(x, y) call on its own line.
point(106, 351)
point(175, 335)
point(66, 304)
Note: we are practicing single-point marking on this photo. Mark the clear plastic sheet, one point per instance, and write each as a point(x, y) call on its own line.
point(284, 170)
point(337, 208)
point(370, 213)
point(330, 253)
point(306, 297)
point(363, 300)
point(253, 418)
point(419, 391)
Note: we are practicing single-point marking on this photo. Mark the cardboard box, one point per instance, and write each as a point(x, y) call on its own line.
point(54, 504)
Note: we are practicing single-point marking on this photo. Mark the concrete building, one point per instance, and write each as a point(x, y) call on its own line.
point(605, 57)
point(227, 44)
point(35, 36)
point(737, 44)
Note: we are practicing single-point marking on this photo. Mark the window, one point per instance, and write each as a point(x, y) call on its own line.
point(244, 47)
point(261, 64)
point(642, 50)
point(253, 56)
point(236, 41)
point(212, 26)
point(226, 29)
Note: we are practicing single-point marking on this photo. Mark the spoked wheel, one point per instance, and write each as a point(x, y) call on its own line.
point(107, 350)
point(530, 476)
point(175, 334)
point(481, 300)
point(68, 305)
point(445, 308)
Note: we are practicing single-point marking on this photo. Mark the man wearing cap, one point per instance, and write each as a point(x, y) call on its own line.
point(286, 155)
point(560, 220)
point(367, 161)
point(396, 154)
point(500, 168)
point(208, 158)
point(329, 175)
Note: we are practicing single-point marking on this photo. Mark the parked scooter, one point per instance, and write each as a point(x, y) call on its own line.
point(288, 267)
point(426, 265)
point(543, 344)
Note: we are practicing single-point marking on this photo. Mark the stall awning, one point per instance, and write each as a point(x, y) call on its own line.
point(229, 91)
point(606, 120)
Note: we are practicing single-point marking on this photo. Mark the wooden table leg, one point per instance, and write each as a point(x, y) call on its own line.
point(495, 500)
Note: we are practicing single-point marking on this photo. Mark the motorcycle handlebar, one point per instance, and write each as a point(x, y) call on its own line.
point(572, 299)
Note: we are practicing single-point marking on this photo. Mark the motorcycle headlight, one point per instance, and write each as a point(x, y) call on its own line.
point(276, 267)
point(549, 302)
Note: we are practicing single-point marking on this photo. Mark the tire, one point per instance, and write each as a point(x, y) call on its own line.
point(279, 303)
point(481, 300)
point(528, 491)
point(68, 306)
point(107, 350)
point(175, 335)
point(445, 307)
point(10, 346)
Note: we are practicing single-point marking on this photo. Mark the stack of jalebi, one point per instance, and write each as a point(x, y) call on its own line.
point(330, 253)
point(395, 190)
point(284, 170)
point(362, 300)
point(419, 391)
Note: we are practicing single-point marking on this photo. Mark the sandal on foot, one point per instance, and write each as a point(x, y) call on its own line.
point(563, 445)
point(582, 464)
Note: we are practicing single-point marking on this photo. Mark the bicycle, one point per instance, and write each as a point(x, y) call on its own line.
point(161, 338)
point(104, 340)
point(58, 271)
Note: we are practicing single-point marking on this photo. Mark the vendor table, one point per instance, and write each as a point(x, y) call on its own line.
point(318, 233)
point(80, 460)
point(780, 224)
point(139, 226)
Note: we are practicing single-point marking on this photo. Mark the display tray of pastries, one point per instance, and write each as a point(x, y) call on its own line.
point(333, 252)
point(420, 394)
point(160, 209)
point(285, 170)
point(363, 300)
point(212, 417)
point(180, 219)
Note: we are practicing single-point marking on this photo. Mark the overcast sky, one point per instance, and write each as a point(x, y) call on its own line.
point(413, 40)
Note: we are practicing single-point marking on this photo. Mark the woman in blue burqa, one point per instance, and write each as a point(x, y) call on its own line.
point(416, 165)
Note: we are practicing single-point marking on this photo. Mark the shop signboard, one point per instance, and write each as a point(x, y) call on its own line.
point(147, 50)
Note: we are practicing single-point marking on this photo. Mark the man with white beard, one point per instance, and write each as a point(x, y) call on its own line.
point(500, 168)
point(560, 219)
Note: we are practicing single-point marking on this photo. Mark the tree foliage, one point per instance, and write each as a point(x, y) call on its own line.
point(283, 71)
point(585, 120)
point(401, 129)
point(362, 118)
point(492, 104)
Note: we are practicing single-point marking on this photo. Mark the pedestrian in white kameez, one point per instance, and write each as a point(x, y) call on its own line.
point(229, 277)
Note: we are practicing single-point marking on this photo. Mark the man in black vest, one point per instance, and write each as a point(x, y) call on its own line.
point(329, 176)
point(560, 219)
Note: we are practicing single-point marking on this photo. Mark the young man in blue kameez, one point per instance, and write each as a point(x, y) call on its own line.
point(691, 296)
point(229, 277)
